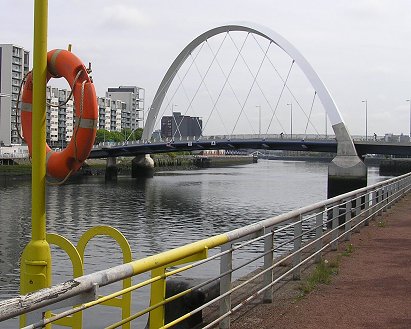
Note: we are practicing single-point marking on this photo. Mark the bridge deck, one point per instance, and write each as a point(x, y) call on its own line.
point(372, 289)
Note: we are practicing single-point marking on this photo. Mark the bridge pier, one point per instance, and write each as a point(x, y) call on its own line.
point(346, 171)
point(142, 166)
point(111, 169)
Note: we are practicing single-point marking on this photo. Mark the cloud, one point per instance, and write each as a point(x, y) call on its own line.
point(119, 16)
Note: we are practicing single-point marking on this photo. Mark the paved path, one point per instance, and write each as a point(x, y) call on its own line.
point(372, 289)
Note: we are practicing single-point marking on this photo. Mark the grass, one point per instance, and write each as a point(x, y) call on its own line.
point(382, 223)
point(323, 272)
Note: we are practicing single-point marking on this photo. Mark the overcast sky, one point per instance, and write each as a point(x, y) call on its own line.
point(361, 49)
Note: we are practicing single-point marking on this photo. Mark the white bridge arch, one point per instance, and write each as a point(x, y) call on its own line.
point(345, 143)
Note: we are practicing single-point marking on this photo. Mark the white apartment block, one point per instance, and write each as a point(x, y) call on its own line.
point(122, 108)
point(14, 64)
point(110, 114)
point(133, 97)
point(59, 117)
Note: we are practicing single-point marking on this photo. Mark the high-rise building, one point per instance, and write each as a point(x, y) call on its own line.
point(59, 117)
point(110, 113)
point(133, 97)
point(178, 126)
point(14, 64)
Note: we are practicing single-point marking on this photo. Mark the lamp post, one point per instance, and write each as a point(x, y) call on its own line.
point(172, 108)
point(291, 118)
point(173, 121)
point(259, 120)
point(409, 100)
point(366, 119)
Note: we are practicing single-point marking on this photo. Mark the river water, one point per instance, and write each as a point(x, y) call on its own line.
point(172, 209)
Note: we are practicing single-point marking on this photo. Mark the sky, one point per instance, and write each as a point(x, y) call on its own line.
point(361, 49)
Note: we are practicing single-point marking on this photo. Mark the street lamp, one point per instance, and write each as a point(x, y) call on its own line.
point(259, 120)
point(291, 118)
point(409, 100)
point(366, 119)
point(172, 108)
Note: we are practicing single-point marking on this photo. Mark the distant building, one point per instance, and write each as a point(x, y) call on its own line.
point(391, 138)
point(110, 114)
point(60, 117)
point(179, 126)
point(133, 97)
point(14, 64)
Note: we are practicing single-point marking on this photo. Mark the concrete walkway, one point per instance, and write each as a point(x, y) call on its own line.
point(371, 290)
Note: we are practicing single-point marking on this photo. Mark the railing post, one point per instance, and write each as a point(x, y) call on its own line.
point(158, 293)
point(319, 222)
point(347, 226)
point(385, 196)
point(367, 208)
point(389, 199)
point(226, 265)
point(374, 199)
point(357, 213)
point(380, 197)
point(268, 262)
point(298, 230)
point(334, 235)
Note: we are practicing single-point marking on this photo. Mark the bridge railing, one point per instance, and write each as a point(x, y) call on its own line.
point(279, 246)
point(268, 137)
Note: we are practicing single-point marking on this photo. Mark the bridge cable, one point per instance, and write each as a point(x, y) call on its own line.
point(251, 87)
point(211, 97)
point(288, 88)
point(279, 97)
point(311, 109)
point(261, 90)
point(178, 87)
point(226, 80)
point(207, 71)
point(231, 87)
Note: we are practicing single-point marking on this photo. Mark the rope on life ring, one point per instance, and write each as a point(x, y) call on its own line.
point(63, 63)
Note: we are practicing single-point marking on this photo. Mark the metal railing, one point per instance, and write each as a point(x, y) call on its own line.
point(280, 247)
point(239, 137)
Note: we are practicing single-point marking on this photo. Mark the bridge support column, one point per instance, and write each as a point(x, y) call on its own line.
point(346, 171)
point(111, 169)
point(345, 174)
point(142, 166)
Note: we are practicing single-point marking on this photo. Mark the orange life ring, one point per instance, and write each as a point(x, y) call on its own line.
point(62, 63)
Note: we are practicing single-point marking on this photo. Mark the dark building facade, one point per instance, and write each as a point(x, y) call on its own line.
point(178, 125)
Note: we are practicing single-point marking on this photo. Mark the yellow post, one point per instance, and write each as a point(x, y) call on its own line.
point(35, 269)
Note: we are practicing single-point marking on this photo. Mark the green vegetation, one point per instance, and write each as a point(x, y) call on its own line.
point(321, 275)
point(348, 250)
point(118, 136)
point(382, 223)
point(22, 169)
point(323, 272)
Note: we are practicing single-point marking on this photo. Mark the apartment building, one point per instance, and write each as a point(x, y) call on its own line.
point(110, 114)
point(133, 97)
point(60, 117)
point(14, 64)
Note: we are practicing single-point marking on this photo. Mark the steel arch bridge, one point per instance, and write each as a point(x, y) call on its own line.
point(345, 145)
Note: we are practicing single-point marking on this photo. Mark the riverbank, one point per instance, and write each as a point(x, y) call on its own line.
point(96, 167)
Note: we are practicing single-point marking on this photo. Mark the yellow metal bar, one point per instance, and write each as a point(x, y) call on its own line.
point(157, 295)
point(158, 288)
point(170, 256)
point(36, 257)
